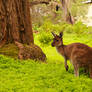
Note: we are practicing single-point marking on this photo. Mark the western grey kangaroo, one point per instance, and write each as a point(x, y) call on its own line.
point(79, 54)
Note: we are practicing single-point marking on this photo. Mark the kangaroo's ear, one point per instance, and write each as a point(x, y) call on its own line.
point(53, 34)
point(61, 34)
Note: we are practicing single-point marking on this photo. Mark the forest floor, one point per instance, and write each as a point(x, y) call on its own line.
point(30, 76)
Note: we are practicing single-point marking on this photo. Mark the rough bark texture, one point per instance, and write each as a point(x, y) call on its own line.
point(16, 26)
point(15, 21)
point(66, 10)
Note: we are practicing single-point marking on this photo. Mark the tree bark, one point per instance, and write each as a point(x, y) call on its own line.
point(66, 10)
point(15, 23)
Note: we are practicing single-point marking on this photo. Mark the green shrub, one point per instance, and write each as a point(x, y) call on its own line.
point(79, 27)
point(35, 27)
point(48, 27)
point(68, 28)
point(45, 38)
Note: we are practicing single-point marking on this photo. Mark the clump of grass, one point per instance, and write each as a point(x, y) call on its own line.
point(45, 38)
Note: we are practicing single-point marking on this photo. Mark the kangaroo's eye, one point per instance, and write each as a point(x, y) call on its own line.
point(57, 40)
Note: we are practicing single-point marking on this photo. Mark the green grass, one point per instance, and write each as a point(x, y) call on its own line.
point(31, 76)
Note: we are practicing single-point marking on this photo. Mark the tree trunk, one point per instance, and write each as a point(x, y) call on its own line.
point(15, 22)
point(66, 10)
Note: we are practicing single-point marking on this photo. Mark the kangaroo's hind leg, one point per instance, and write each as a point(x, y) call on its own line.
point(90, 70)
point(76, 70)
point(86, 70)
point(66, 66)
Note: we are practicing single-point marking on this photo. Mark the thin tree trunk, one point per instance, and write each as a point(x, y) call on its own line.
point(66, 10)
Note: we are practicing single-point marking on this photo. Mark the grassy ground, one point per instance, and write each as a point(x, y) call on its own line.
point(31, 76)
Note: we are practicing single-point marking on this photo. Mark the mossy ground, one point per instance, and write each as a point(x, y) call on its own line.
point(29, 76)
point(10, 50)
point(33, 51)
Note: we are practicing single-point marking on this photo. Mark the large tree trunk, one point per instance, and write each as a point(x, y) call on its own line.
point(15, 22)
point(66, 11)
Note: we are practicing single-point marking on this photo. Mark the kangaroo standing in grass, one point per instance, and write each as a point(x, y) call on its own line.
point(79, 54)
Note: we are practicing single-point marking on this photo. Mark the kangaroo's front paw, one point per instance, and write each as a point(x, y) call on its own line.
point(67, 68)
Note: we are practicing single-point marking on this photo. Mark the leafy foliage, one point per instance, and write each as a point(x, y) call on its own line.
point(45, 30)
point(45, 38)
point(78, 28)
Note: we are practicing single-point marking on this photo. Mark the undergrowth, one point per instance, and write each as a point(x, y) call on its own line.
point(78, 29)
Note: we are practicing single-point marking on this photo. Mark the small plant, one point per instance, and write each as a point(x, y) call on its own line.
point(45, 38)
point(79, 27)
point(47, 27)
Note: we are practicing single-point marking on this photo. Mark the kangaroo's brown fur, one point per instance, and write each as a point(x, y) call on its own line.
point(79, 54)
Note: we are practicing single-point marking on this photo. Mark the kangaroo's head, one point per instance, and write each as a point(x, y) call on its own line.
point(57, 40)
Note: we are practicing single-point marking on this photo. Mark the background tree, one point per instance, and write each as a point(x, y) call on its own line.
point(66, 11)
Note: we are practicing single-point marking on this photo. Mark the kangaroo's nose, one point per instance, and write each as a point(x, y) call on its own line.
point(52, 45)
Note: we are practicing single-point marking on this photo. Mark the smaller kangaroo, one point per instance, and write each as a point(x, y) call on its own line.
point(79, 54)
